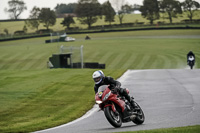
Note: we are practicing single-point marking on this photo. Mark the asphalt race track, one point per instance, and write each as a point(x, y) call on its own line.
point(168, 97)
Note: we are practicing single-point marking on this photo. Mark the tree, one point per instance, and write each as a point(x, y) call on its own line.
point(88, 11)
point(63, 8)
point(33, 20)
point(25, 29)
point(16, 7)
point(48, 17)
point(6, 31)
point(136, 7)
point(126, 9)
point(190, 6)
point(150, 10)
point(120, 16)
point(67, 21)
point(118, 5)
point(35, 12)
point(109, 12)
point(171, 7)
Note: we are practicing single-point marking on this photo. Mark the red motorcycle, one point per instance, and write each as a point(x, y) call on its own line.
point(116, 108)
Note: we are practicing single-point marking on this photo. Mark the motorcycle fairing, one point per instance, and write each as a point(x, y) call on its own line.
point(118, 101)
point(112, 106)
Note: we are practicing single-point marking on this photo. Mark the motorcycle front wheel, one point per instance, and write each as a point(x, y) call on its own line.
point(191, 64)
point(140, 115)
point(191, 67)
point(113, 117)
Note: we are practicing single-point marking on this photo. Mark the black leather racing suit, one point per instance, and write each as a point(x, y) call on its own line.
point(113, 85)
point(190, 54)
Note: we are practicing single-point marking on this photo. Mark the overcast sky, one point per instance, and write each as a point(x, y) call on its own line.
point(49, 3)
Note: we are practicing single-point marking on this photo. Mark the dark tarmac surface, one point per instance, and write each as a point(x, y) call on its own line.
point(168, 97)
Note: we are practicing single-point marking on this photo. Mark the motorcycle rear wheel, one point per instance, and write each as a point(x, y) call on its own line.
point(140, 115)
point(113, 118)
point(191, 64)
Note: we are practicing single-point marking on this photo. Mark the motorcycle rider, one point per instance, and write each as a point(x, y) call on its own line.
point(101, 79)
point(190, 57)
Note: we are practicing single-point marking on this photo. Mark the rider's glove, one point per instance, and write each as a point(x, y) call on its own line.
point(114, 91)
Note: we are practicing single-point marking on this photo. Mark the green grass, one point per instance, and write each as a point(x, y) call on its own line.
point(33, 97)
point(36, 99)
point(189, 129)
point(120, 50)
point(128, 18)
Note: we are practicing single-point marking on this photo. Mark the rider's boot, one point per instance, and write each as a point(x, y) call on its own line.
point(127, 96)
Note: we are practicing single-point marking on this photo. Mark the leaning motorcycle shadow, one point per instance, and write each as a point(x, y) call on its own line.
point(122, 127)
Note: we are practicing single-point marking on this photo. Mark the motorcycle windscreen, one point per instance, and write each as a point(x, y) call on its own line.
point(102, 88)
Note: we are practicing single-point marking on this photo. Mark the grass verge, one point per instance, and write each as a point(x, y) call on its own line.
point(33, 97)
point(37, 99)
point(188, 129)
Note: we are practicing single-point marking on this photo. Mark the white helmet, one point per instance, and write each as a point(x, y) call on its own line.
point(98, 76)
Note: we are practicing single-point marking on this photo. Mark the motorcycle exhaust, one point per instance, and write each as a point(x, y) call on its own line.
point(132, 117)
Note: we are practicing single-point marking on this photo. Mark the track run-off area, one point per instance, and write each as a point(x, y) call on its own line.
point(158, 77)
point(168, 97)
point(119, 52)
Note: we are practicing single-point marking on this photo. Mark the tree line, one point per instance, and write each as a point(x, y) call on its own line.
point(89, 11)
